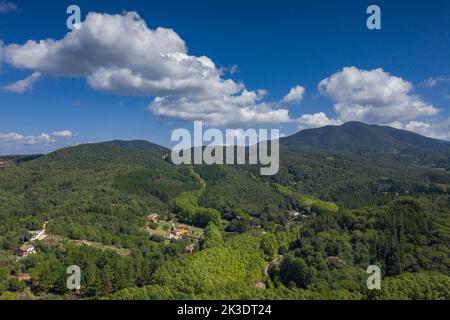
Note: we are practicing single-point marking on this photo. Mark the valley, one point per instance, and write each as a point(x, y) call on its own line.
point(140, 227)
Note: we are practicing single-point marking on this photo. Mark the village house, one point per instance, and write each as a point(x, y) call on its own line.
point(293, 214)
point(152, 217)
point(333, 259)
point(24, 277)
point(25, 250)
point(177, 233)
point(189, 249)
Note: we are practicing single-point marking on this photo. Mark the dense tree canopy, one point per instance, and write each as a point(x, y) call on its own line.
point(308, 232)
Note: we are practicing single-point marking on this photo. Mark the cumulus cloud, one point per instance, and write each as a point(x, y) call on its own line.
point(245, 109)
point(24, 85)
point(63, 134)
point(120, 54)
point(295, 95)
point(6, 7)
point(16, 138)
point(13, 138)
point(316, 120)
point(437, 130)
point(373, 96)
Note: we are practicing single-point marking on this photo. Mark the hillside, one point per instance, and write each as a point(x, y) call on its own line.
point(358, 137)
point(356, 207)
point(137, 145)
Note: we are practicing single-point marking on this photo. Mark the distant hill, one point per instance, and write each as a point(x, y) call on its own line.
point(6, 161)
point(358, 137)
point(136, 144)
point(351, 165)
point(105, 154)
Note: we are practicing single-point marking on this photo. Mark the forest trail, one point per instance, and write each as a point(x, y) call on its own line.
point(270, 264)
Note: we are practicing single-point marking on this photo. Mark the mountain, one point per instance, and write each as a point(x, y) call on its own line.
point(353, 209)
point(357, 137)
point(105, 154)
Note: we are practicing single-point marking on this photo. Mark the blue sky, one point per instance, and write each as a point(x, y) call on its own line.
point(399, 75)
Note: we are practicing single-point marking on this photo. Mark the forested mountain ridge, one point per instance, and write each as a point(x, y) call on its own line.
point(318, 223)
point(136, 144)
point(359, 137)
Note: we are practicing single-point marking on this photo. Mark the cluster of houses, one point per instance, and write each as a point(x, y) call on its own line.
point(174, 233)
point(28, 248)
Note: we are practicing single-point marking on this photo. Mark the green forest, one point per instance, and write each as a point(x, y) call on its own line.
point(335, 207)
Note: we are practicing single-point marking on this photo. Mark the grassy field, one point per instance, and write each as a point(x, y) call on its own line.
point(58, 240)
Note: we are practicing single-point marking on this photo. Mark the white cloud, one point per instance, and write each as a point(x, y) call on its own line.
point(23, 85)
point(316, 120)
point(6, 7)
point(295, 95)
point(373, 96)
point(120, 54)
point(13, 138)
point(63, 134)
point(437, 130)
point(377, 97)
point(245, 109)
point(16, 138)
point(434, 81)
point(234, 69)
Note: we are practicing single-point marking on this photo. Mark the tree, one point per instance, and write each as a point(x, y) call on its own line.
point(295, 270)
point(212, 237)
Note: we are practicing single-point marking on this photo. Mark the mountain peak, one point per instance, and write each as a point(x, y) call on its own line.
point(355, 124)
point(360, 137)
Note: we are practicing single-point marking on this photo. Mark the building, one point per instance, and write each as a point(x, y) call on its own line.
point(24, 277)
point(152, 217)
point(190, 248)
point(293, 214)
point(260, 285)
point(25, 250)
point(177, 233)
point(333, 259)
